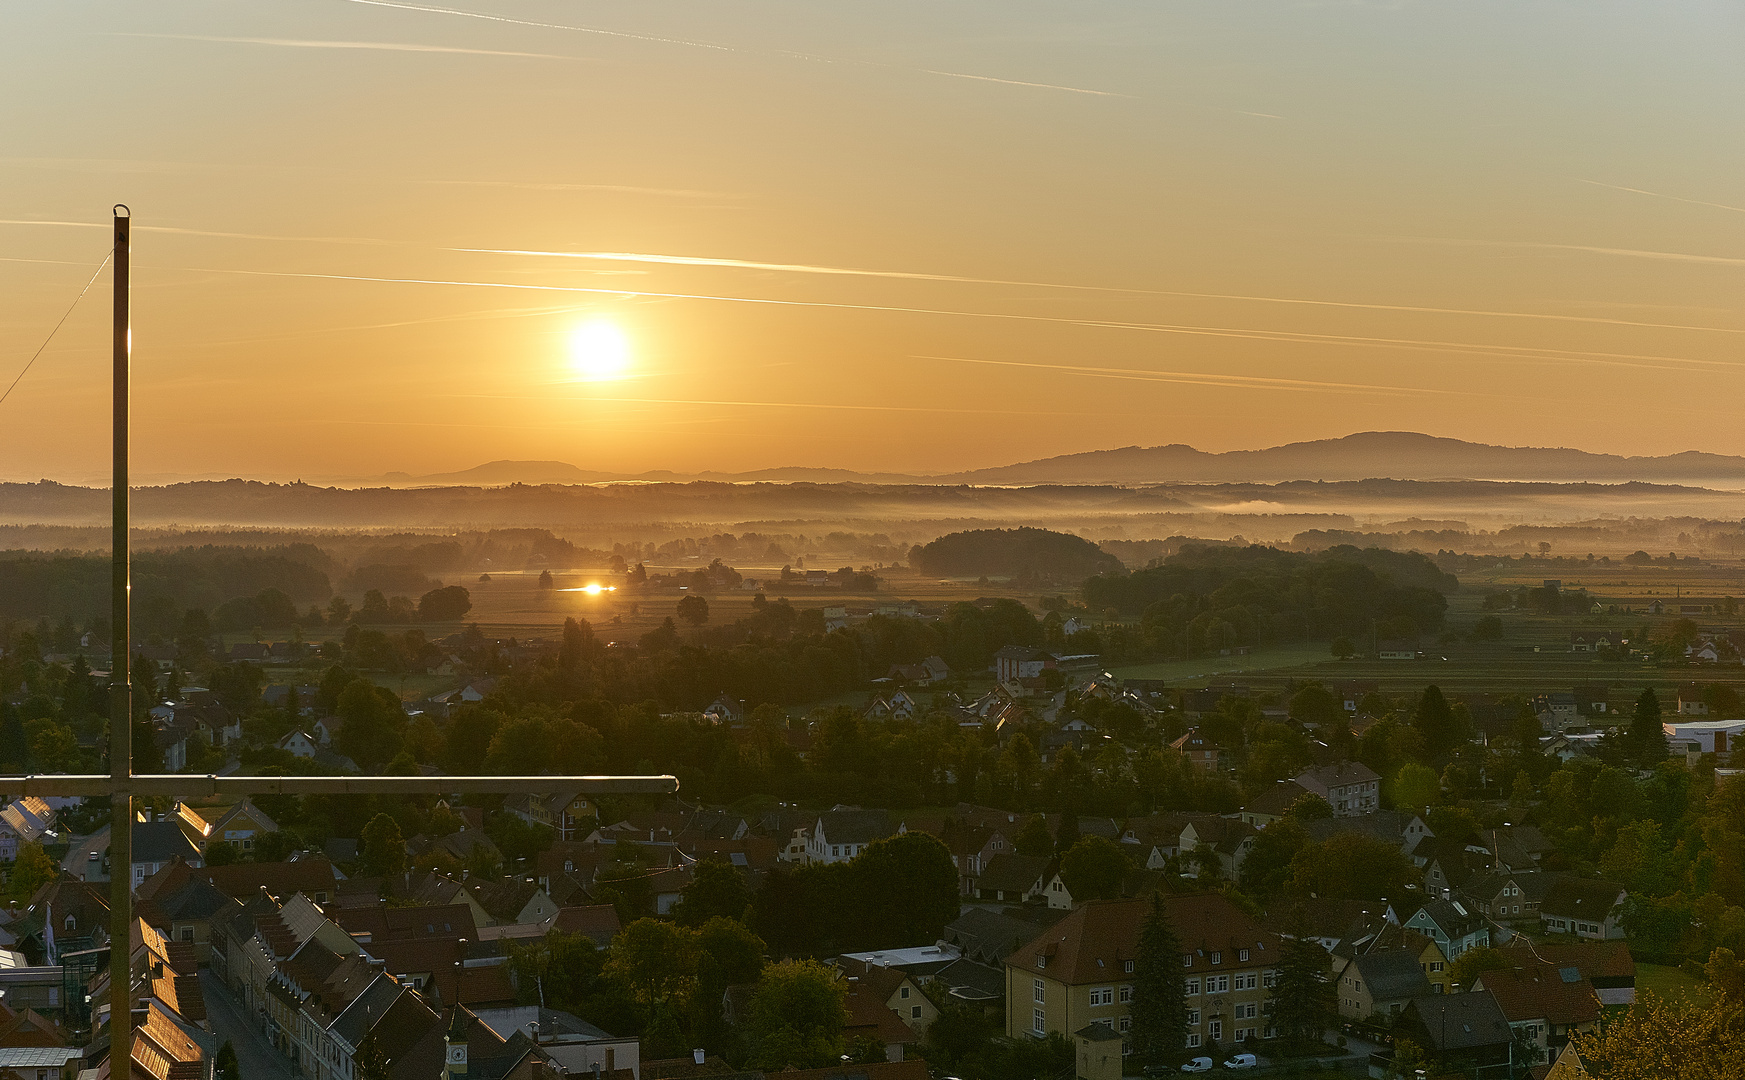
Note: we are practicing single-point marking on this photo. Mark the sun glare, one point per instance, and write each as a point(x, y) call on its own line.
point(599, 352)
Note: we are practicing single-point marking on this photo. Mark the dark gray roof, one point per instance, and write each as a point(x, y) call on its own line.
point(1451, 917)
point(1581, 898)
point(1382, 824)
point(367, 1009)
point(1392, 975)
point(1534, 884)
point(196, 899)
point(991, 936)
point(970, 981)
point(1462, 1021)
point(1097, 1032)
point(160, 841)
point(855, 826)
point(1010, 872)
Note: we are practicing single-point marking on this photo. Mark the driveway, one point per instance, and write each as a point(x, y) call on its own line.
point(254, 1054)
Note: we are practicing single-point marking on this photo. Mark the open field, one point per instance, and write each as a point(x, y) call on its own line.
point(1671, 983)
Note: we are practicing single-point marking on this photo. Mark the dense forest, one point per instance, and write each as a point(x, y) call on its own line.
point(1216, 597)
point(1023, 553)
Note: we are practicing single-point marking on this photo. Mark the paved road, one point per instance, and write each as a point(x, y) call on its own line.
point(254, 1054)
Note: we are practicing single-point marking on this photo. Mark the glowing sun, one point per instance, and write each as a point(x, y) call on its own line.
point(599, 352)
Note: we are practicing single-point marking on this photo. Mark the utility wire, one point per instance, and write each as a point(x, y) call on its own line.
point(58, 325)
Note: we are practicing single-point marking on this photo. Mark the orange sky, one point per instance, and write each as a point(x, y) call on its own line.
point(1088, 219)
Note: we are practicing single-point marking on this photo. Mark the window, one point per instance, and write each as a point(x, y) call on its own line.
point(1193, 1017)
point(1215, 1030)
point(1126, 1047)
point(1248, 1011)
point(1126, 1023)
point(836, 849)
point(1187, 960)
point(903, 993)
point(1217, 984)
point(1242, 956)
point(1039, 992)
point(914, 1012)
point(1436, 965)
point(1217, 958)
point(1127, 967)
point(1193, 986)
point(185, 933)
point(1039, 1022)
point(1193, 1040)
point(1102, 995)
point(1126, 994)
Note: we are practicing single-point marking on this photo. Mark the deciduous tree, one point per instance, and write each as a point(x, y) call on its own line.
point(1093, 869)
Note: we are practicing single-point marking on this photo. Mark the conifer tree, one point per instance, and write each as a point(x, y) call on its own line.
point(1302, 998)
point(1160, 1004)
point(1647, 736)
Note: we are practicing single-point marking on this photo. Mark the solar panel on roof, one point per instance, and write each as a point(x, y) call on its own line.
point(1570, 974)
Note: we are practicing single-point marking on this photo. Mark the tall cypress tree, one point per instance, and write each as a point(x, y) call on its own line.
point(1302, 998)
point(1647, 736)
point(1437, 723)
point(1160, 1003)
point(14, 749)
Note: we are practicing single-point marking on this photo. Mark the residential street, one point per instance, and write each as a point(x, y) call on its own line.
point(254, 1054)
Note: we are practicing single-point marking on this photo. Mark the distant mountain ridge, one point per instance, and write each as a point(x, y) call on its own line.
point(1394, 455)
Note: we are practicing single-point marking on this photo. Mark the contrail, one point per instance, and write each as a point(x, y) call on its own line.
point(1456, 347)
point(744, 264)
point(382, 46)
point(790, 405)
point(806, 268)
point(222, 235)
point(1020, 82)
point(1203, 379)
point(1662, 195)
point(676, 193)
point(541, 25)
point(1638, 253)
point(429, 9)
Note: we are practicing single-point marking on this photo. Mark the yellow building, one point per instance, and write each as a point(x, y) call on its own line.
point(1079, 972)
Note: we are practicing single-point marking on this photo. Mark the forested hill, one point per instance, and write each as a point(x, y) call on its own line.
point(1019, 553)
point(1216, 597)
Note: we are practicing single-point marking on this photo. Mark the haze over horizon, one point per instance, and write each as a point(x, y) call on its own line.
point(380, 237)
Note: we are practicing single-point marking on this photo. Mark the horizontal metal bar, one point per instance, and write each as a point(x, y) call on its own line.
point(198, 786)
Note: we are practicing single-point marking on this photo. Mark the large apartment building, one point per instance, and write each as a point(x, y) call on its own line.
point(1079, 972)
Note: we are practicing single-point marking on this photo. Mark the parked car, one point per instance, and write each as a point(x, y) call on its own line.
point(1241, 1061)
point(1199, 1064)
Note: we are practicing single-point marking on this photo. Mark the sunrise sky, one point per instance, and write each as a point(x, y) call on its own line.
point(882, 236)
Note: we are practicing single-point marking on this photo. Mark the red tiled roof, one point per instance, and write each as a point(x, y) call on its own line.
point(598, 922)
point(1093, 943)
point(1540, 991)
point(283, 879)
point(868, 1014)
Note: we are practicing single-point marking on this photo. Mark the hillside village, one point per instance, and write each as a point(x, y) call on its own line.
point(995, 860)
point(552, 936)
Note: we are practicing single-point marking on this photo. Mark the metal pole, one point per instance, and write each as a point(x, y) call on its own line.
point(121, 689)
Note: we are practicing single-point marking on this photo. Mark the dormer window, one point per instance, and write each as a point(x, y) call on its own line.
point(1217, 958)
point(1188, 960)
point(1041, 962)
point(1242, 956)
